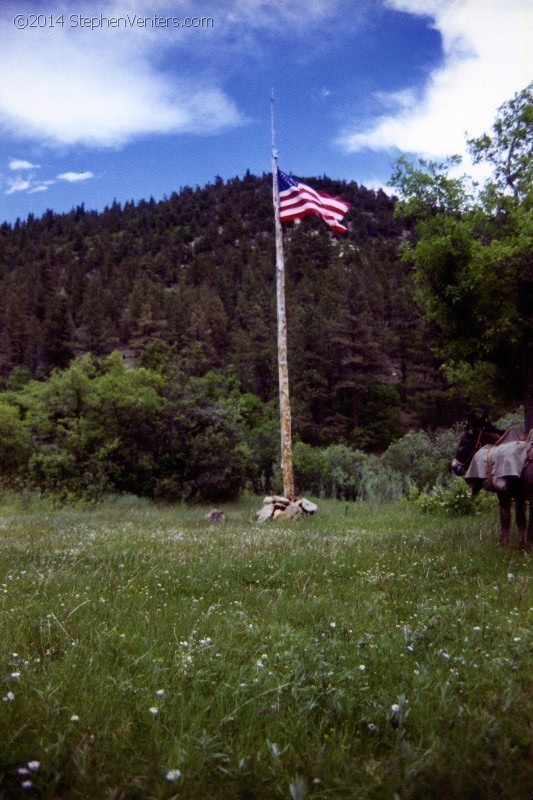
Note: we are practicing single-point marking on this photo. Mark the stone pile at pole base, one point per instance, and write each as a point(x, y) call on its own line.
point(284, 508)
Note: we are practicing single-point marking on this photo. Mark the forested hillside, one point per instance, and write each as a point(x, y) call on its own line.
point(192, 279)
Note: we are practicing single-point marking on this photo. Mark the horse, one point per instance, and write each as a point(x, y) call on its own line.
point(520, 489)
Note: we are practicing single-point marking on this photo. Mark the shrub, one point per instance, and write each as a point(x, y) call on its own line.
point(101, 426)
point(380, 483)
point(456, 499)
point(15, 439)
point(309, 464)
point(511, 419)
point(59, 473)
point(216, 471)
point(343, 472)
point(423, 460)
point(263, 442)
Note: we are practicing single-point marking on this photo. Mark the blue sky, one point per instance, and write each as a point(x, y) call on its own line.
point(107, 100)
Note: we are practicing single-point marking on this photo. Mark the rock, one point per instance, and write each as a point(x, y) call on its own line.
point(276, 500)
point(278, 507)
point(308, 506)
point(293, 511)
point(216, 515)
point(265, 513)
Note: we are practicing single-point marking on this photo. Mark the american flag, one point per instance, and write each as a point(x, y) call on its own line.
point(297, 200)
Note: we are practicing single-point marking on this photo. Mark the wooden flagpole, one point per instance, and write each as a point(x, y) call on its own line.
point(283, 366)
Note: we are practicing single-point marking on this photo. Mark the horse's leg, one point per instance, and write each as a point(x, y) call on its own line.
point(527, 487)
point(521, 520)
point(529, 534)
point(504, 499)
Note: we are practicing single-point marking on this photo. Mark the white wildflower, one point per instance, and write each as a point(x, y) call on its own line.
point(173, 775)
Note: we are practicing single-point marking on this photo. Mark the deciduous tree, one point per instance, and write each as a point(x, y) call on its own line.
point(472, 257)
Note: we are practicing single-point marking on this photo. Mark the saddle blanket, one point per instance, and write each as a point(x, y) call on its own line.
point(498, 461)
point(514, 434)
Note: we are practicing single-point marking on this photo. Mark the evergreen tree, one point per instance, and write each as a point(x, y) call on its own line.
point(197, 272)
point(58, 332)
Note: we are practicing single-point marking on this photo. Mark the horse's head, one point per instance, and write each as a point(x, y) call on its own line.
point(477, 432)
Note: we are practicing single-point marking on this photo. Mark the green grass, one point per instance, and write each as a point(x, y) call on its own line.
point(363, 653)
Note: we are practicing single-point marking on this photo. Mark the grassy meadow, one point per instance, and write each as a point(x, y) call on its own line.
point(366, 652)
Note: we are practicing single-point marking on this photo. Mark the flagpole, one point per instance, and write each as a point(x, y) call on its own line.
point(283, 366)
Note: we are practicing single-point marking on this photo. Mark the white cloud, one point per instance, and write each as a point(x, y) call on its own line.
point(17, 185)
point(290, 16)
point(25, 180)
point(376, 183)
point(99, 84)
point(26, 184)
point(21, 164)
point(70, 84)
point(488, 58)
point(75, 177)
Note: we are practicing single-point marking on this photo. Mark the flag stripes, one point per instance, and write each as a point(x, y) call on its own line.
point(297, 200)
